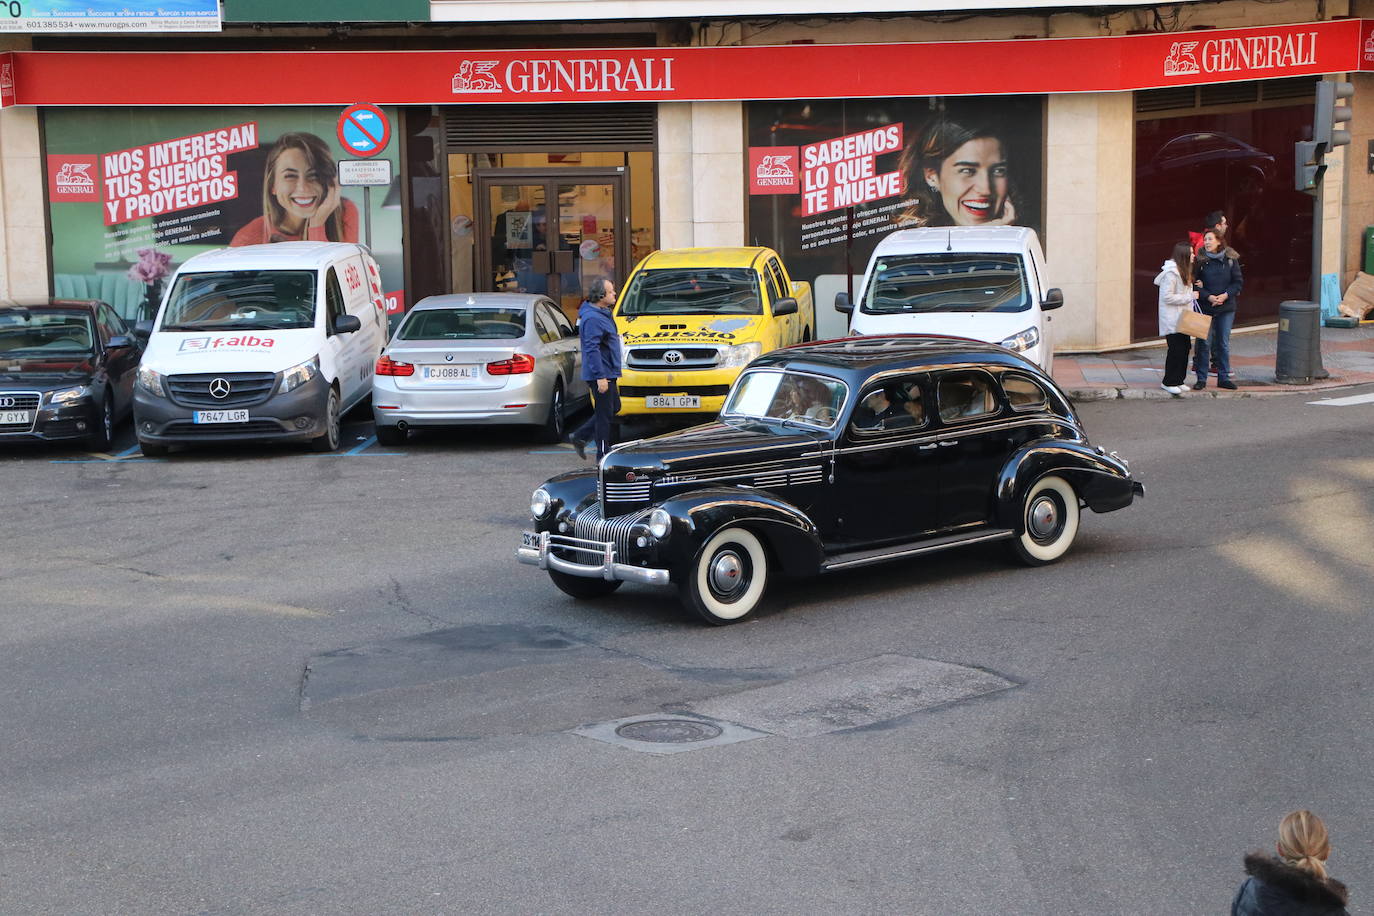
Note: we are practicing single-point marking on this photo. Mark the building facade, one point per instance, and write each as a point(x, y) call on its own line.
point(537, 154)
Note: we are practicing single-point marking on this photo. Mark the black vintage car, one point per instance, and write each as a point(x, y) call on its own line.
point(67, 370)
point(831, 456)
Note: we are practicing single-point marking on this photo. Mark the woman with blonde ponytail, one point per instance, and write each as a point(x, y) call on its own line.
point(1295, 883)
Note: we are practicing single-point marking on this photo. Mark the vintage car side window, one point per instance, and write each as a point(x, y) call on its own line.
point(965, 396)
point(1023, 393)
point(800, 397)
point(893, 406)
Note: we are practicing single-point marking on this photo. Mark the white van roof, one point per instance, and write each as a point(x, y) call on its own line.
point(957, 238)
point(272, 256)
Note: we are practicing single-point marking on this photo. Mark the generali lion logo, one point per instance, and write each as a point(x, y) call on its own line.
point(476, 76)
point(1368, 49)
point(6, 77)
point(72, 177)
point(776, 167)
point(1181, 60)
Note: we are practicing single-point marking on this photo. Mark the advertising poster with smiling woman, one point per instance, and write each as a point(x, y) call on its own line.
point(129, 189)
point(829, 178)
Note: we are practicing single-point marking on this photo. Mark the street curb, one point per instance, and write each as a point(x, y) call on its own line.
point(1159, 394)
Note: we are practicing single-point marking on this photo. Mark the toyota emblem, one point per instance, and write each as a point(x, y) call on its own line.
point(8, 402)
point(673, 357)
point(219, 388)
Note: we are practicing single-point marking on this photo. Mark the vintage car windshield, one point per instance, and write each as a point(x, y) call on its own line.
point(31, 333)
point(768, 394)
point(466, 323)
point(262, 300)
point(946, 282)
point(694, 291)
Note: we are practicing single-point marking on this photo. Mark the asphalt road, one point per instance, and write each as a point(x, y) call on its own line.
point(265, 681)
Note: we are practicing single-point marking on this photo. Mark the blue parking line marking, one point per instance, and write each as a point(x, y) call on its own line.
point(359, 455)
point(552, 451)
point(128, 451)
point(99, 460)
point(358, 448)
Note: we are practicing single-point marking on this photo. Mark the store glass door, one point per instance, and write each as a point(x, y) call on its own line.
point(551, 233)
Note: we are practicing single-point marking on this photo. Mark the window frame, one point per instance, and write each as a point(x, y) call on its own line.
point(921, 381)
point(1042, 404)
point(992, 388)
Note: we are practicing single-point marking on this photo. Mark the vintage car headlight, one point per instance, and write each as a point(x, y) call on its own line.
point(540, 502)
point(660, 523)
point(298, 375)
point(69, 395)
point(150, 381)
point(1022, 340)
point(740, 354)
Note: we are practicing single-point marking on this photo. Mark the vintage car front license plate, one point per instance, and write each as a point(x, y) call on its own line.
point(529, 539)
point(220, 416)
point(11, 417)
point(672, 400)
point(445, 373)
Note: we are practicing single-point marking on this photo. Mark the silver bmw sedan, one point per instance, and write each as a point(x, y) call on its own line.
point(481, 358)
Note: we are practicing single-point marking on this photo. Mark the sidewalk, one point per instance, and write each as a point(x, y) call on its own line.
point(1347, 353)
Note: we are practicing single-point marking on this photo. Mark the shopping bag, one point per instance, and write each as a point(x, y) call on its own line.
point(1194, 324)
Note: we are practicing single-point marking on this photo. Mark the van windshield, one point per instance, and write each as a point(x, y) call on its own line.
point(947, 281)
point(263, 300)
point(694, 291)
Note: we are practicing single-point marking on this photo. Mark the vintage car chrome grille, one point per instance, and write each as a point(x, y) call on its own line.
point(672, 357)
point(621, 497)
point(789, 478)
point(591, 526)
point(22, 400)
point(245, 388)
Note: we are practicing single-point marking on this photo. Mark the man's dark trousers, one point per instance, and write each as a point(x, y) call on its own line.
point(597, 427)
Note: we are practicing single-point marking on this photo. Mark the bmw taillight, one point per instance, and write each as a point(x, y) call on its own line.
point(388, 366)
point(519, 364)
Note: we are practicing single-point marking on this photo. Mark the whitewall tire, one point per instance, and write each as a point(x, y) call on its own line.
point(728, 578)
point(1049, 519)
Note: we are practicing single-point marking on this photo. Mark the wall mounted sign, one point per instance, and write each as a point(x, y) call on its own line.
point(95, 16)
point(1102, 64)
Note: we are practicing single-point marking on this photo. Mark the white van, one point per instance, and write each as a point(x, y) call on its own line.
point(261, 342)
point(987, 283)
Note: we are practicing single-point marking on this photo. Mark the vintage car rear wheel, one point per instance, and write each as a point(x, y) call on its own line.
point(581, 587)
point(728, 578)
point(1049, 515)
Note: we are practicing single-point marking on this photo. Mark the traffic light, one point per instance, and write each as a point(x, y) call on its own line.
point(1328, 116)
point(1307, 165)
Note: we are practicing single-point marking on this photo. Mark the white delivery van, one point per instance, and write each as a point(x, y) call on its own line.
point(987, 283)
point(261, 342)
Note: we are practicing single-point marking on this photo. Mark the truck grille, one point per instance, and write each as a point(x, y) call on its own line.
point(245, 388)
point(592, 526)
point(672, 358)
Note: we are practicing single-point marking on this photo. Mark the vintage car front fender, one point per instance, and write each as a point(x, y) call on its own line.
point(569, 493)
point(790, 535)
point(1103, 481)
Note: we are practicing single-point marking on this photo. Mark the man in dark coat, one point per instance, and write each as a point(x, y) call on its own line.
point(600, 366)
point(1276, 888)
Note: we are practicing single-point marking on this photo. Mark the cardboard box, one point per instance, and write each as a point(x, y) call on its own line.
point(1359, 297)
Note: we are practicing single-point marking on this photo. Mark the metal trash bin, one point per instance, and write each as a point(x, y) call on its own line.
point(1299, 357)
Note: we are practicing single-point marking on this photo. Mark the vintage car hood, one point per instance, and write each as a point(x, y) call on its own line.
point(45, 373)
point(715, 444)
point(689, 329)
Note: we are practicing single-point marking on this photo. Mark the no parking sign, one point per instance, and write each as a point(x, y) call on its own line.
point(364, 130)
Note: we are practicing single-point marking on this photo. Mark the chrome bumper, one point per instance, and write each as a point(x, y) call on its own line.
point(536, 550)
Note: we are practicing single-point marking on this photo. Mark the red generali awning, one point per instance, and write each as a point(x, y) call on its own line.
point(1104, 64)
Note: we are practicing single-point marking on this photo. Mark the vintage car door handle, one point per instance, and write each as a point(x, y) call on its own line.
point(946, 443)
point(928, 447)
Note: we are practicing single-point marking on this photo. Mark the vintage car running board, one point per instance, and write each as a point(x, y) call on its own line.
point(867, 557)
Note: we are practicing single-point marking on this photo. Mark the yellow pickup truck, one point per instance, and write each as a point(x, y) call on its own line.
point(692, 318)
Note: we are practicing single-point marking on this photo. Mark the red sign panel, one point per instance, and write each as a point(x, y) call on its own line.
point(6, 79)
point(1103, 64)
point(773, 170)
point(73, 177)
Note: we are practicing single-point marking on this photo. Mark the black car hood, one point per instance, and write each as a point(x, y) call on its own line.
point(49, 372)
point(713, 444)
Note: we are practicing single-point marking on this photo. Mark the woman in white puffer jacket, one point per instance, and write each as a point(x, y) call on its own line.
point(1176, 293)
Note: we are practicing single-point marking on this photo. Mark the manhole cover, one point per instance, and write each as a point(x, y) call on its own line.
point(656, 734)
point(669, 731)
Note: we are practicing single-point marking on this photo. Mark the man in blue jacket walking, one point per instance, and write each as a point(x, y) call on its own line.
point(600, 366)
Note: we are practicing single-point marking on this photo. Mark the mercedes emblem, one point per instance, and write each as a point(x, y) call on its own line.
point(219, 388)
